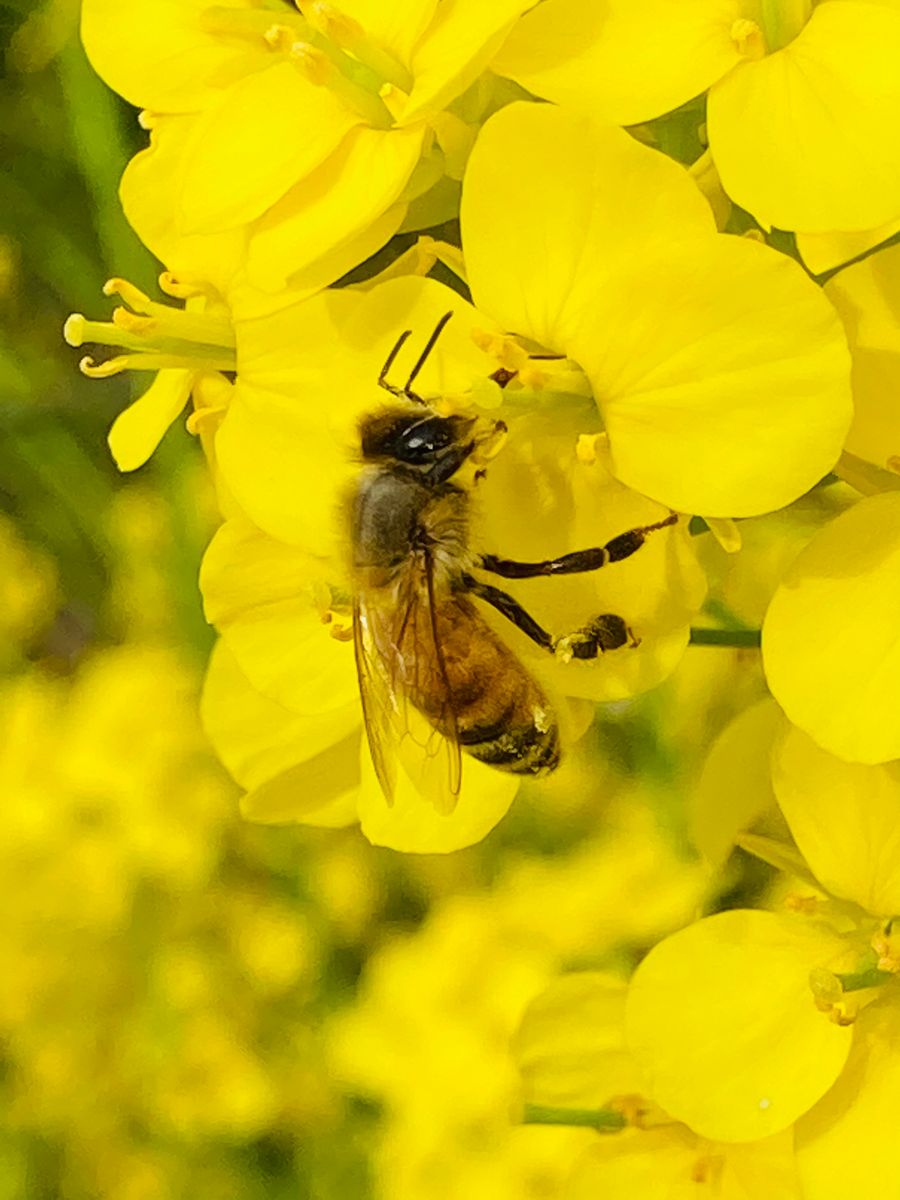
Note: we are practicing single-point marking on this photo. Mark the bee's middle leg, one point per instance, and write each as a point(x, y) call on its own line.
point(605, 632)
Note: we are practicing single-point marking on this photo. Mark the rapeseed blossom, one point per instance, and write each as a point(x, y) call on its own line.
point(289, 133)
point(574, 1058)
point(788, 1017)
point(802, 98)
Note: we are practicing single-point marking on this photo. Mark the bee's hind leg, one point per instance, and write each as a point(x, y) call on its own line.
point(605, 632)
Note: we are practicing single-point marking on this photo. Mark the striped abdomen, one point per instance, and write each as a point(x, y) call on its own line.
point(502, 716)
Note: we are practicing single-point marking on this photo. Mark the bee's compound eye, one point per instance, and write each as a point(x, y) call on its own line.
point(422, 441)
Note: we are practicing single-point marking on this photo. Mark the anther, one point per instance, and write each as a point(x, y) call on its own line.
point(749, 39)
point(312, 62)
point(104, 370)
point(73, 330)
point(332, 23)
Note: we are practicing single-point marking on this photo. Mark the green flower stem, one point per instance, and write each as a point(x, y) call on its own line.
point(604, 1120)
point(745, 638)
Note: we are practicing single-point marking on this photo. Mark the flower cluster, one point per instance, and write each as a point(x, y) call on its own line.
point(636, 264)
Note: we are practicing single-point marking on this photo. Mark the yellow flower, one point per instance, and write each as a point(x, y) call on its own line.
point(803, 104)
point(845, 819)
point(719, 370)
point(186, 348)
point(298, 127)
point(719, 373)
point(746, 1021)
point(573, 1056)
point(830, 646)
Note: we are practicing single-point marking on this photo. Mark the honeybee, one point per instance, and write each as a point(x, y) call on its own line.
point(435, 679)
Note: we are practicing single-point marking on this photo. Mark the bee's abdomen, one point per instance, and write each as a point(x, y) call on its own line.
point(502, 716)
point(522, 749)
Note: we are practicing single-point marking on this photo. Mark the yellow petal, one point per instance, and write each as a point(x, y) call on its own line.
point(456, 47)
point(396, 26)
point(834, 93)
point(413, 824)
point(620, 61)
point(830, 646)
point(146, 194)
point(158, 55)
point(263, 597)
point(765, 1168)
point(289, 443)
point(297, 768)
point(721, 1020)
point(822, 251)
point(138, 430)
point(735, 786)
point(340, 201)
point(674, 1164)
point(269, 130)
point(847, 1145)
point(722, 375)
point(867, 296)
point(587, 200)
point(845, 819)
point(570, 1047)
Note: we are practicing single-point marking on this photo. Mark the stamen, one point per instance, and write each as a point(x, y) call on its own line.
point(500, 346)
point(347, 33)
point(157, 335)
point(590, 446)
point(320, 70)
point(749, 39)
point(726, 533)
point(417, 260)
point(150, 362)
point(184, 288)
point(887, 947)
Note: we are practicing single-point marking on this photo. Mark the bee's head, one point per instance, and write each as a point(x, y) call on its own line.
point(437, 446)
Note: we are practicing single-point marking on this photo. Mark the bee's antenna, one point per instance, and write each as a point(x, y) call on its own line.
point(429, 346)
point(389, 362)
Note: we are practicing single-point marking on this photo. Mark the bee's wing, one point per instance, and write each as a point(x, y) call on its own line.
point(399, 657)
